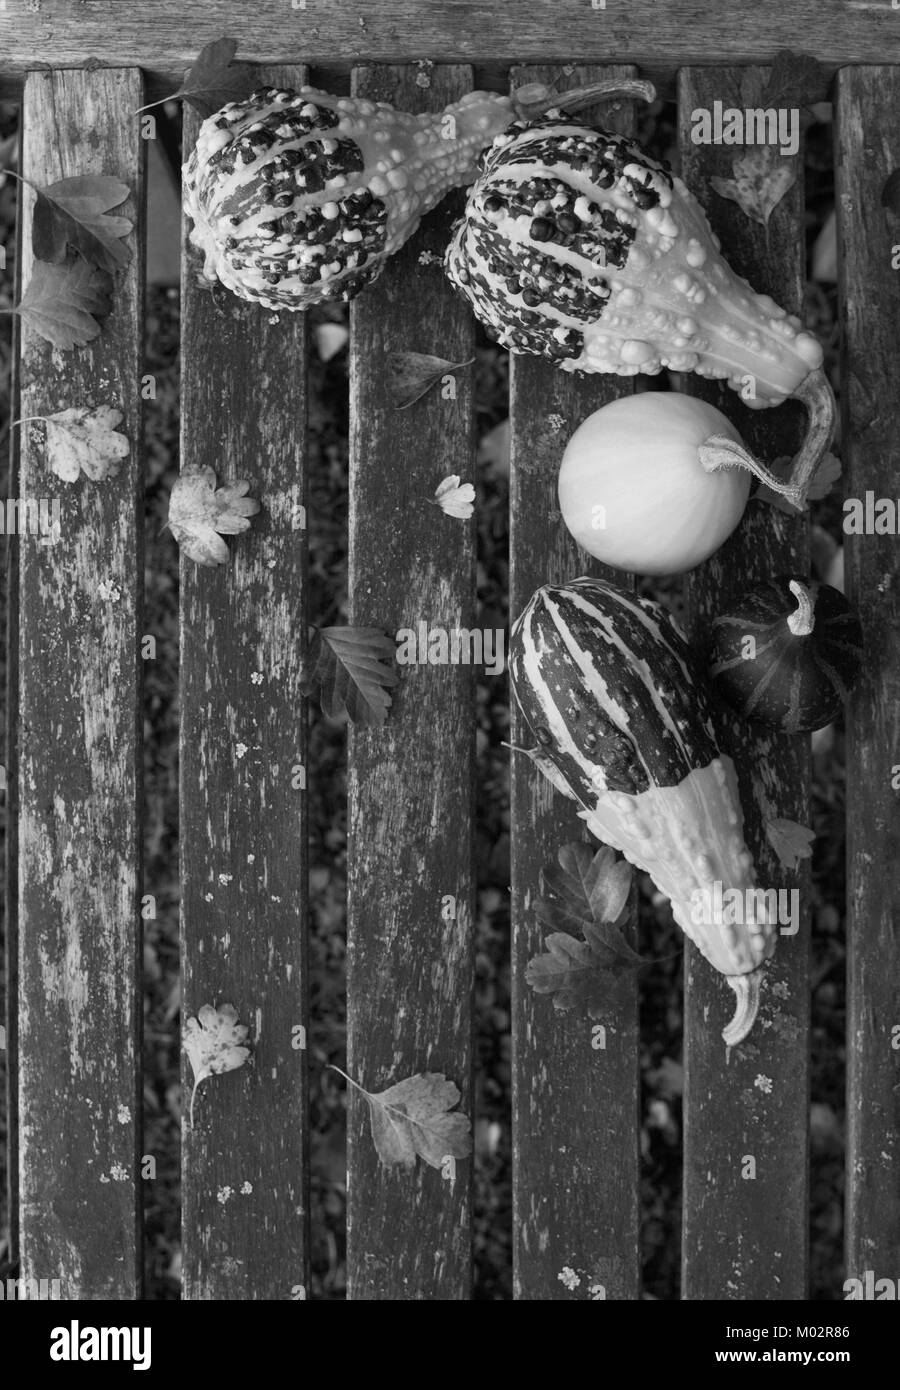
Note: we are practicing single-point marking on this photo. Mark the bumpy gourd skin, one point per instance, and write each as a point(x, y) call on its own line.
point(300, 197)
point(578, 245)
point(613, 695)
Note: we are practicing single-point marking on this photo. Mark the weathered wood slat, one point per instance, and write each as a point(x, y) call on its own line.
point(11, 740)
point(242, 796)
point(79, 708)
point(410, 960)
point(575, 1104)
point(868, 150)
point(165, 37)
point(746, 1237)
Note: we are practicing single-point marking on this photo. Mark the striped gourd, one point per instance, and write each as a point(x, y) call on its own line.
point(611, 692)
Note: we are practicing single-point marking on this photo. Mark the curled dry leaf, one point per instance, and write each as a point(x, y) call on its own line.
point(84, 440)
point(454, 498)
point(214, 79)
point(413, 1118)
point(790, 841)
point(761, 179)
point(61, 302)
point(214, 1042)
point(75, 213)
point(200, 514)
point(347, 665)
point(411, 374)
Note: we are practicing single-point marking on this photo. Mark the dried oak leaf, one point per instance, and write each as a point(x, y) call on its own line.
point(75, 212)
point(347, 664)
point(413, 1117)
point(454, 498)
point(61, 301)
point(761, 179)
point(200, 514)
point(214, 1043)
point(411, 374)
point(84, 439)
point(214, 79)
point(590, 893)
point(790, 841)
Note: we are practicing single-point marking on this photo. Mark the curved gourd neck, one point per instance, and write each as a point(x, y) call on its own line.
point(802, 621)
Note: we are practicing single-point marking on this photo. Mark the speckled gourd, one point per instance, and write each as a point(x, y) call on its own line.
point(300, 196)
point(612, 693)
point(578, 245)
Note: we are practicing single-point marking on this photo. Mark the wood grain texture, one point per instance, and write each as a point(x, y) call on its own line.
point(575, 1107)
point(166, 36)
point(243, 806)
point(868, 150)
point(8, 1064)
point(746, 1238)
point(78, 773)
point(410, 971)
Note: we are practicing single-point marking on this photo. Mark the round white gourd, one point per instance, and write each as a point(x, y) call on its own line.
point(632, 489)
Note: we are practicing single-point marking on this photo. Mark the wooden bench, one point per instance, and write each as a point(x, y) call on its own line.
point(75, 618)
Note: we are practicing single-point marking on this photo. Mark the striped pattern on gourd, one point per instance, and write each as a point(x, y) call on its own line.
point(611, 692)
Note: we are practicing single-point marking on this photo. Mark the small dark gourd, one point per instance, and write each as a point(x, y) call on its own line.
point(787, 654)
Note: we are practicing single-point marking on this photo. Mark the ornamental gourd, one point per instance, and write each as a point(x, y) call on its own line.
point(612, 693)
point(576, 244)
point(300, 197)
point(787, 654)
point(633, 490)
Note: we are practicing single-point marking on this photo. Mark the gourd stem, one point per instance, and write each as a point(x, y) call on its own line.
point(535, 100)
point(802, 622)
point(815, 393)
point(720, 451)
point(746, 987)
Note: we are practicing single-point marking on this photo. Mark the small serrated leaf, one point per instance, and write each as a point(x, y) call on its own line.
point(214, 79)
point(413, 1118)
point(200, 514)
point(75, 213)
point(347, 665)
point(588, 893)
point(83, 439)
point(60, 303)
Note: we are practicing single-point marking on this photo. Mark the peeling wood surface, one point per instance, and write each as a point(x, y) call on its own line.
point(243, 809)
point(411, 810)
point(78, 794)
point(165, 37)
point(868, 150)
point(575, 1106)
point(746, 1238)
